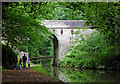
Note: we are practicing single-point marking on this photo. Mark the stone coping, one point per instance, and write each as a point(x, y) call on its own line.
point(64, 24)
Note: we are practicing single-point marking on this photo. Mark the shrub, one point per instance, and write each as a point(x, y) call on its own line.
point(8, 56)
point(94, 52)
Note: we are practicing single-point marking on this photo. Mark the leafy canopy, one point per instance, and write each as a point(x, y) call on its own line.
point(22, 31)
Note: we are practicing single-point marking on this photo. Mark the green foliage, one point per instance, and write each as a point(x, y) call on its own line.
point(48, 10)
point(21, 31)
point(8, 56)
point(101, 49)
point(60, 11)
point(46, 48)
point(93, 52)
point(104, 17)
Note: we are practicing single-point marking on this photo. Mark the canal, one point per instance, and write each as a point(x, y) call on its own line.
point(71, 75)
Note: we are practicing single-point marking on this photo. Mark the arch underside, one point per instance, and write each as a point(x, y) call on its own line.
point(55, 50)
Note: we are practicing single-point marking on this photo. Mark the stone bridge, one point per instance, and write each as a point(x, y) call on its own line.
point(63, 33)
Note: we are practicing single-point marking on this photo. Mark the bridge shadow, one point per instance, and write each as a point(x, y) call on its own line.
point(55, 50)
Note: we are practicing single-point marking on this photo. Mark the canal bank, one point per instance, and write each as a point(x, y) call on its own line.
point(28, 76)
point(74, 75)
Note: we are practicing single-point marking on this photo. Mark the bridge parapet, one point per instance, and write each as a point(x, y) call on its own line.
point(64, 24)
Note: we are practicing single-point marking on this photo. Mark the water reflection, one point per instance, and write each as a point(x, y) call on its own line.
point(77, 75)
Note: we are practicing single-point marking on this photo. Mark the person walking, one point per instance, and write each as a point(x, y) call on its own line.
point(20, 62)
point(24, 58)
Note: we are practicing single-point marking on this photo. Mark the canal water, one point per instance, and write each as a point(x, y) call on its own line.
point(77, 75)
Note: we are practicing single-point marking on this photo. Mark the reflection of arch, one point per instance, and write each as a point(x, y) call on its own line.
point(55, 50)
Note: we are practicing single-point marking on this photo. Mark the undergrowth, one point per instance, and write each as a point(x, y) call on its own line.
point(94, 52)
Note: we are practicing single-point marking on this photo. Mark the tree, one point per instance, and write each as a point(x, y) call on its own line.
point(20, 30)
point(104, 17)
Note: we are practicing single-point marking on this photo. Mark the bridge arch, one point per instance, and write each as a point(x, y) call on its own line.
point(63, 35)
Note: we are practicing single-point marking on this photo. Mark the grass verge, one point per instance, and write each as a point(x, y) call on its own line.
point(38, 68)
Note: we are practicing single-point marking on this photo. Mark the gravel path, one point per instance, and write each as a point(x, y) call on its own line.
point(26, 76)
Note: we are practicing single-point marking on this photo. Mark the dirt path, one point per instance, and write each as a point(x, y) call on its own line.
point(25, 76)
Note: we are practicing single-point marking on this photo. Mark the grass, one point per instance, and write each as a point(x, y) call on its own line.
point(38, 68)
